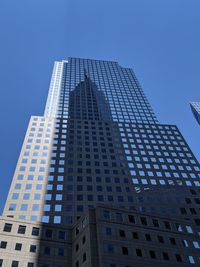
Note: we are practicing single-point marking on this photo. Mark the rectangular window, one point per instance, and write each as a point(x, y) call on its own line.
point(135, 235)
point(178, 258)
point(110, 248)
point(152, 254)
point(3, 244)
point(7, 227)
point(148, 237)
point(122, 233)
point(61, 252)
point(49, 233)
point(131, 218)
point(167, 225)
point(106, 214)
point(18, 246)
point(61, 235)
point(35, 231)
point(108, 231)
point(138, 252)
point(143, 220)
point(21, 229)
point(155, 223)
point(33, 248)
point(47, 250)
point(124, 250)
point(15, 264)
point(24, 207)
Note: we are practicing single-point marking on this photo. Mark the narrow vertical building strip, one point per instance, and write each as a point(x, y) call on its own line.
point(195, 107)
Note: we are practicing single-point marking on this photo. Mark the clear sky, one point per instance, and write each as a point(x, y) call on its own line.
point(159, 39)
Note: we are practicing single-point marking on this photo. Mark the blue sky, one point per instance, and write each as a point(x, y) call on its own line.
point(159, 39)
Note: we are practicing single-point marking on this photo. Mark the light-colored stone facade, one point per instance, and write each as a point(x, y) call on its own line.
point(27, 192)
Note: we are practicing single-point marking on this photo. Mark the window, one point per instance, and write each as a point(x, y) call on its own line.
point(84, 257)
point(45, 219)
point(15, 196)
point(138, 252)
point(196, 244)
point(172, 241)
point(58, 207)
point(191, 259)
point(15, 264)
point(165, 256)
point(183, 211)
point(148, 237)
point(61, 252)
point(18, 246)
point(152, 254)
point(49, 233)
point(122, 233)
point(57, 219)
point(21, 229)
point(35, 207)
point(24, 207)
point(47, 207)
point(108, 231)
point(1, 262)
point(37, 196)
point(110, 248)
point(106, 214)
point(35, 231)
point(135, 235)
point(167, 225)
point(155, 223)
point(160, 239)
point(61, 235)
point(7, 227)
point(33, 248)
point(3, 244)
point(143, 220)
point(124, 250)
point(39, 186)
point(26, 196)
point(20, 177)
point(189, 229)
point(30, 264)
point(47, 250)
point(119, 217)
point(131, 218)
point(178, 258)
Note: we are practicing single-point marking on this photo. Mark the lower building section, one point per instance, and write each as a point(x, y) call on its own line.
point(102, 237)
point(33, 244)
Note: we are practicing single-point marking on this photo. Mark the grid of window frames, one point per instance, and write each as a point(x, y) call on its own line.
point(119, 85)
point(25, 199)
point(150, 154)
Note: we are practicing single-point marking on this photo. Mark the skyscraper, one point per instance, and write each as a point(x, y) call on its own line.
point(99, 181)
point(195, 106)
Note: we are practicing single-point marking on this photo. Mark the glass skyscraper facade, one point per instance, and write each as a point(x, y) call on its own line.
point(195, 106)
point(98, 166)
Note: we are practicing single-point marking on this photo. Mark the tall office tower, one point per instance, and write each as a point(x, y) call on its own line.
point(195, 106)
point(99, 181)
